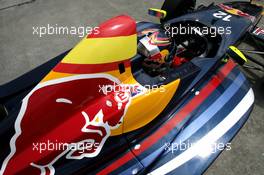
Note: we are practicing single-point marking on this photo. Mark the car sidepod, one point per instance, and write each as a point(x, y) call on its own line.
point(198, 130)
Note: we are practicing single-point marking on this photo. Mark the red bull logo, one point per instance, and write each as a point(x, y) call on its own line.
point(71, 111)
point(259, 31)
point(236, 12)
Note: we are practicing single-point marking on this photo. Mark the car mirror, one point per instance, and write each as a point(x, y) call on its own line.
point(161, 14)
point(236, 55)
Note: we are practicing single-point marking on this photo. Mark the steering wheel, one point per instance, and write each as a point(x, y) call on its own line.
point(198, 46)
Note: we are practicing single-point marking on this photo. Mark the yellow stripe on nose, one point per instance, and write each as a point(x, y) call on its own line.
point(103, 50)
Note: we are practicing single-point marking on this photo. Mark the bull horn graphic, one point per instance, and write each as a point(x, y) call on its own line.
point(45, 170)
point(54, 107)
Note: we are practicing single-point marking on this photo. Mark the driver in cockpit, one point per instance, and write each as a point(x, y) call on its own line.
point(160, 51)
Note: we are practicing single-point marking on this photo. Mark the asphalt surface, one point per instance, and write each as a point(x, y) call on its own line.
point(21, 50)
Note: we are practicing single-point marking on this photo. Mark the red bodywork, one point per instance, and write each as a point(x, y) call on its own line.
point(74, 111)
point(47, 120)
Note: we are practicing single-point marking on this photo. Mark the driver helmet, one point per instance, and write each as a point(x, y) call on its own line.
point(154, 45)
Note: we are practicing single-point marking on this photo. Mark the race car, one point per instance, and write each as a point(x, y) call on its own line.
point(135, 97)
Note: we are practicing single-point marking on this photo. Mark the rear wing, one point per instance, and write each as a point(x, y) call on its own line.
point(258, 3)
point(258, 33)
